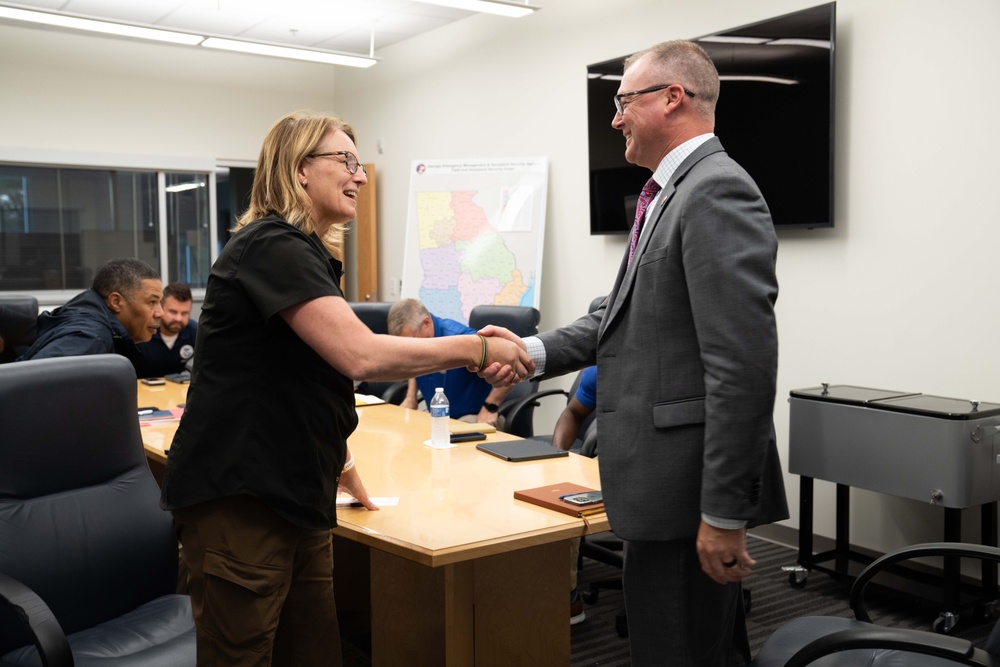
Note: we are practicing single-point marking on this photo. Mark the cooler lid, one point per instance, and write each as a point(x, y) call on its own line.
point(940, 407)
point(845, 393)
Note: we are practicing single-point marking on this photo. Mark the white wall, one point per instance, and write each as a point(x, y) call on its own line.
point(900, 295)
point(62, 91)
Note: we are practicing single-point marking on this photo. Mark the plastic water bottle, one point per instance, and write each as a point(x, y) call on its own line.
point(440, 411)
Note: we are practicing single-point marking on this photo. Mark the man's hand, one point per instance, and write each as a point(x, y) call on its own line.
point(499, 371)
point(486, 417)
point(723, 553)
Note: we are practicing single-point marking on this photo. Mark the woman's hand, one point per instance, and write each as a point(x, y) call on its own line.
point(350, 482)
point(507, 362)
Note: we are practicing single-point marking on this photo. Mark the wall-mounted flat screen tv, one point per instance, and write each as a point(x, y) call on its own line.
point(774, 116)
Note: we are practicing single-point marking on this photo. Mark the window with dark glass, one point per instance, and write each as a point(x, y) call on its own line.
point(58, 225)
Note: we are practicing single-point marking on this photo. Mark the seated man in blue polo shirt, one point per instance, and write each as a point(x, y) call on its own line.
point(470, 397)
point(171, 350)
point(568, 430)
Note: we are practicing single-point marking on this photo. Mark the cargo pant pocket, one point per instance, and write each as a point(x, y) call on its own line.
point(242, 600)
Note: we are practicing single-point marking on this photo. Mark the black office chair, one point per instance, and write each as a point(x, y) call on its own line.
point(827, 641)
point(18, 318)
point(523, 321)
point(88, 560)
point(605, 547)
point(375, 315)
point(521, 410)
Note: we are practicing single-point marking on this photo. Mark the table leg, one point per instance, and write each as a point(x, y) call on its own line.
point(952, 564)
point(805, 520)
point(500, 610)
point(988, 536)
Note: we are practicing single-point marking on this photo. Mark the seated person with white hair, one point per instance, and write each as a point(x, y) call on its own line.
point(470, 398)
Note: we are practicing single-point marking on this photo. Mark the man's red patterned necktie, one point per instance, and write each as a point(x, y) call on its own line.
point(649, 190)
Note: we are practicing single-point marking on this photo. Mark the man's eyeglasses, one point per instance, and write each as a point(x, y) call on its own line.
point(618, 98)
point(350, 160)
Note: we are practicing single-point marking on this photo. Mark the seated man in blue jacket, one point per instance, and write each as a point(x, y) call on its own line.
point(470, 397)
point(171, 350)
point(121, 308)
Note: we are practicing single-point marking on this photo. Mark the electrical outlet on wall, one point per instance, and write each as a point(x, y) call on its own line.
point(395, 287)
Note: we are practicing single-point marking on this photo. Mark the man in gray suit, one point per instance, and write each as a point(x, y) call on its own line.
point(686, 349)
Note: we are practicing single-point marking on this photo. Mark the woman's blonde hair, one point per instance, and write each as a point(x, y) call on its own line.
point(276, 189)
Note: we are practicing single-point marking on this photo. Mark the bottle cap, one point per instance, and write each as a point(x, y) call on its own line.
point(437, 389)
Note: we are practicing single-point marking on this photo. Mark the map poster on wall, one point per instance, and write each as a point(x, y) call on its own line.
point(474, 233)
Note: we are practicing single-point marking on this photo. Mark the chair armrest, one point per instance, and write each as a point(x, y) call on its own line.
point(960, 651)
point(512, 410)
point(599, 552)
point(396, 393)
point(958, 549)
point(589, 448)
point(35, 615)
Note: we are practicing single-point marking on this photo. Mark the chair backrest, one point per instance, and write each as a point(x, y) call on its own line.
point(595, 304)
point(522, 320)
point(375, 314)
point(80, 522)
point(18, 319)
point(521, 423)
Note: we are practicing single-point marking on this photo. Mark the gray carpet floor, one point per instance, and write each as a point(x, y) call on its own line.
point(596, 643)
point(773, 603)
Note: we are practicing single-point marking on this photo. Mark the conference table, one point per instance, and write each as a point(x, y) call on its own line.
point(458, 572)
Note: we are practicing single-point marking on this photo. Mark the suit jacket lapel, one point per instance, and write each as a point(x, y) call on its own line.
point(627, 272)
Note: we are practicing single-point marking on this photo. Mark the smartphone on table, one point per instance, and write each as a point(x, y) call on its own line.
point(467, 437)
point(588, 498)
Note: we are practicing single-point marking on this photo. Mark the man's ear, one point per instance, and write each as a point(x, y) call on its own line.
point(426, 327)
point(115, 302)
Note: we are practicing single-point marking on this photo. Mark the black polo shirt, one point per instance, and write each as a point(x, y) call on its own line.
point(266, 415)
point(156, 359)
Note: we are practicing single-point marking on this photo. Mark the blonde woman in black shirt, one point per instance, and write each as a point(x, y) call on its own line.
point(261, 449)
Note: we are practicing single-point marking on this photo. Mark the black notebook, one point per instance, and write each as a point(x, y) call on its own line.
point(522, 450)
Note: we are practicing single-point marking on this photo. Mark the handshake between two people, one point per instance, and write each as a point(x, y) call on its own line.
point(505, 361)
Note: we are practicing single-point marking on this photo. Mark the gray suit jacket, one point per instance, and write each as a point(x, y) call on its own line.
point(687, 353)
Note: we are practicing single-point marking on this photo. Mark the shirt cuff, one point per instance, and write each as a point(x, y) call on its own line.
point(536, 350)
point(723, 524)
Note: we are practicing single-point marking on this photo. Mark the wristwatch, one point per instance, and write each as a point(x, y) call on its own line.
point(491, 407)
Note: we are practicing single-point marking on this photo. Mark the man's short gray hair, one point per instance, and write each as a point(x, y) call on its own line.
point(406, 313)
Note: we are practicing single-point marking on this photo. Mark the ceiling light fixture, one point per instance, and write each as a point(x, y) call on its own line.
point(733, 39)
point(259, 48)
point(183, 187)
point(189, 39)
point(77, 23)
point(499, 7)
point(791, 41)
point(758, 79)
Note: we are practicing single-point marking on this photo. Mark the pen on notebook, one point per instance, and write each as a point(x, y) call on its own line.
point(145, 412)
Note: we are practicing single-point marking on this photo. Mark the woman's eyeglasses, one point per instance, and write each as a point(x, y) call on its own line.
point(350, 160)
